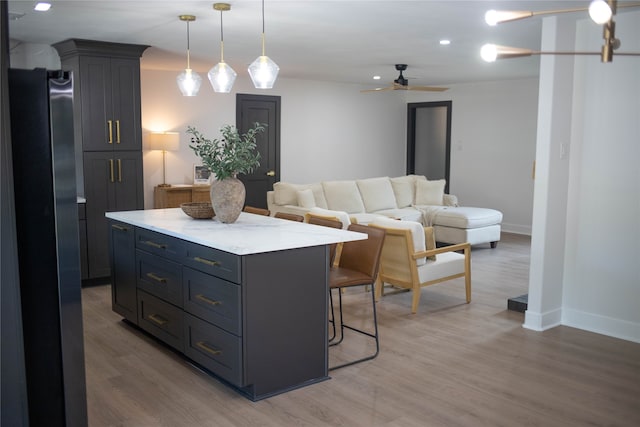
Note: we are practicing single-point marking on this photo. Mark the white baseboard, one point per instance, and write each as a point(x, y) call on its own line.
point(516, 228)
point(604, 325)
point(542, 321)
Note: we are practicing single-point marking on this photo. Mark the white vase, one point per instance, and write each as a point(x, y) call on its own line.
point(227, 199)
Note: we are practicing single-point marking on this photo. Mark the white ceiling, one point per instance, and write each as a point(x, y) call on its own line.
point(341, 41)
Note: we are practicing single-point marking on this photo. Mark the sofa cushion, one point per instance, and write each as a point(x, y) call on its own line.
point(306, 199)
point(467, 217)
point(403, 189)
point(286, 193)
point(430, 192)
point(417, 233)
point(342, 216)
point(405, 214)
point(343, 196)
point(318, 195)
point(377, 194)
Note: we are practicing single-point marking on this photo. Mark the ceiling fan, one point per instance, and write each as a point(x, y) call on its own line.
point(402, 83)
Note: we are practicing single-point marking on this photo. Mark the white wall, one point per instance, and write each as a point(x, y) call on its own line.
point(332, 131)
point(328, 130)
point(601, 289)
point(493, 140)
point(585, 252)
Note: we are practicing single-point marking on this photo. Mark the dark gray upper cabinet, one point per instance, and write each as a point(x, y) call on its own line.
point(107, 93)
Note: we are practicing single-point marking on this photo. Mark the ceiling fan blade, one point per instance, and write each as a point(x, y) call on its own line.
point(378, 89)
point(426, 88)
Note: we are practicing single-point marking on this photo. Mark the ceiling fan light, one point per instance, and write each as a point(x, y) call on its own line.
point(222, 77)
point(263, 72)
point(600, 12)
point(189, 82)
point(489, 52)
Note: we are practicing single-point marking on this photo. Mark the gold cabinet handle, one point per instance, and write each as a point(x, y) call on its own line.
point(157, 319)
point(119, 227)
point(207, 261)
point(119, 170)
point(271, 173)
point(110, 124)
point(204, 346)
point(156, 278)
point(117, 131)
point(111, 169)
point(154, 244)
point(207, 300)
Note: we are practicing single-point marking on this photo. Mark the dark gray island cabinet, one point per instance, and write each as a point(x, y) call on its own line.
point(246, 301)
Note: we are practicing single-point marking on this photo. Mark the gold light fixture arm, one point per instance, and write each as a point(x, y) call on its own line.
point(494, 17)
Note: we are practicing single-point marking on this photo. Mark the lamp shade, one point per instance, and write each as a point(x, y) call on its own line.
point(189, 82)
point(165, 141)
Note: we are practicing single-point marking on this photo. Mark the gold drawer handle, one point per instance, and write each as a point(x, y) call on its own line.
point(155, 245)
point(157, 319)
point(203, 346)
point(207, 261)
point(117, 131)
point(157, 278)
point(119, 227)
point(207, 300)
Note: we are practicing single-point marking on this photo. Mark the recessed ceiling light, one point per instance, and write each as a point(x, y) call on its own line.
point(42, 6)
point(376, 77)
point(445, 42)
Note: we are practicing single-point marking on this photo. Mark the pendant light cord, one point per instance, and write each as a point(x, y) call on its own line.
point(188, 61)
point(221, 39)
point(262, 27)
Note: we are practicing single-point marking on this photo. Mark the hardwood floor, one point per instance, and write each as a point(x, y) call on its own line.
point(451, 364)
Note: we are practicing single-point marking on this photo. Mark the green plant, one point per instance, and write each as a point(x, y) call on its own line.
point(234, 153)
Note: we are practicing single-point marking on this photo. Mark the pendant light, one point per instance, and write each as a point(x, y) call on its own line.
point(263, 70)
point(188, 81)
point(222, 76)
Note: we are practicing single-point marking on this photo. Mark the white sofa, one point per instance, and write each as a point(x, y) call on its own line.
point(409, 198)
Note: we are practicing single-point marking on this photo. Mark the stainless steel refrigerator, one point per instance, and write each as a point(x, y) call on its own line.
point(41, 108)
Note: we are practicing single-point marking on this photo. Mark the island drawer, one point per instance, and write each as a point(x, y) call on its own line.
point(159, 277)
point(161, 319)
point(215, 349)
point(212, 299)
point(159, 244)
point(212, 261)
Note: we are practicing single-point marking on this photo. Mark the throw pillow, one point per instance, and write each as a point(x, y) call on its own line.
point(343, 196)
point(305, 198)
point(286, 193)
point(377, 194)
point(430, 192)
point(403, 190)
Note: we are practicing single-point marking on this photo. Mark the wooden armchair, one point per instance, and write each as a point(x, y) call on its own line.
point(404, 262)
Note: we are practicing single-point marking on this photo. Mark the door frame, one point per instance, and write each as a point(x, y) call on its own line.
point(412, 108)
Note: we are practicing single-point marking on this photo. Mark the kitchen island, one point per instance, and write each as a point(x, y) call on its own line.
point(245, 301)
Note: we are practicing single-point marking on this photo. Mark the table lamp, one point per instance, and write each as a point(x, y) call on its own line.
point(165, 141)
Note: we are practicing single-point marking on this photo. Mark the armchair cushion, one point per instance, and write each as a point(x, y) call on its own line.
point(377, 194)
point(342, 216)
point(343, 196)
point(430, 192)
point(417, 233)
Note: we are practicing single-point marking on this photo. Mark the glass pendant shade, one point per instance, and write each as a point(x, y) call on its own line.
point(189, 82)
point(263, 72)
point(222, 77)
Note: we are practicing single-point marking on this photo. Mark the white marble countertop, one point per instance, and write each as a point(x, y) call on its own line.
point(250, 234)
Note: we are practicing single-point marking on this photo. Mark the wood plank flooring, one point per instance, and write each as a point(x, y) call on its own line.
point(451, 364)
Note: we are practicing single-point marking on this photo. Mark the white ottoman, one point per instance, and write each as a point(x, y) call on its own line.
point(466, 224)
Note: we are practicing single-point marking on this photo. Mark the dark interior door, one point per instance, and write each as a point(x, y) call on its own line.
point(266, 110)
point(429, 139)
